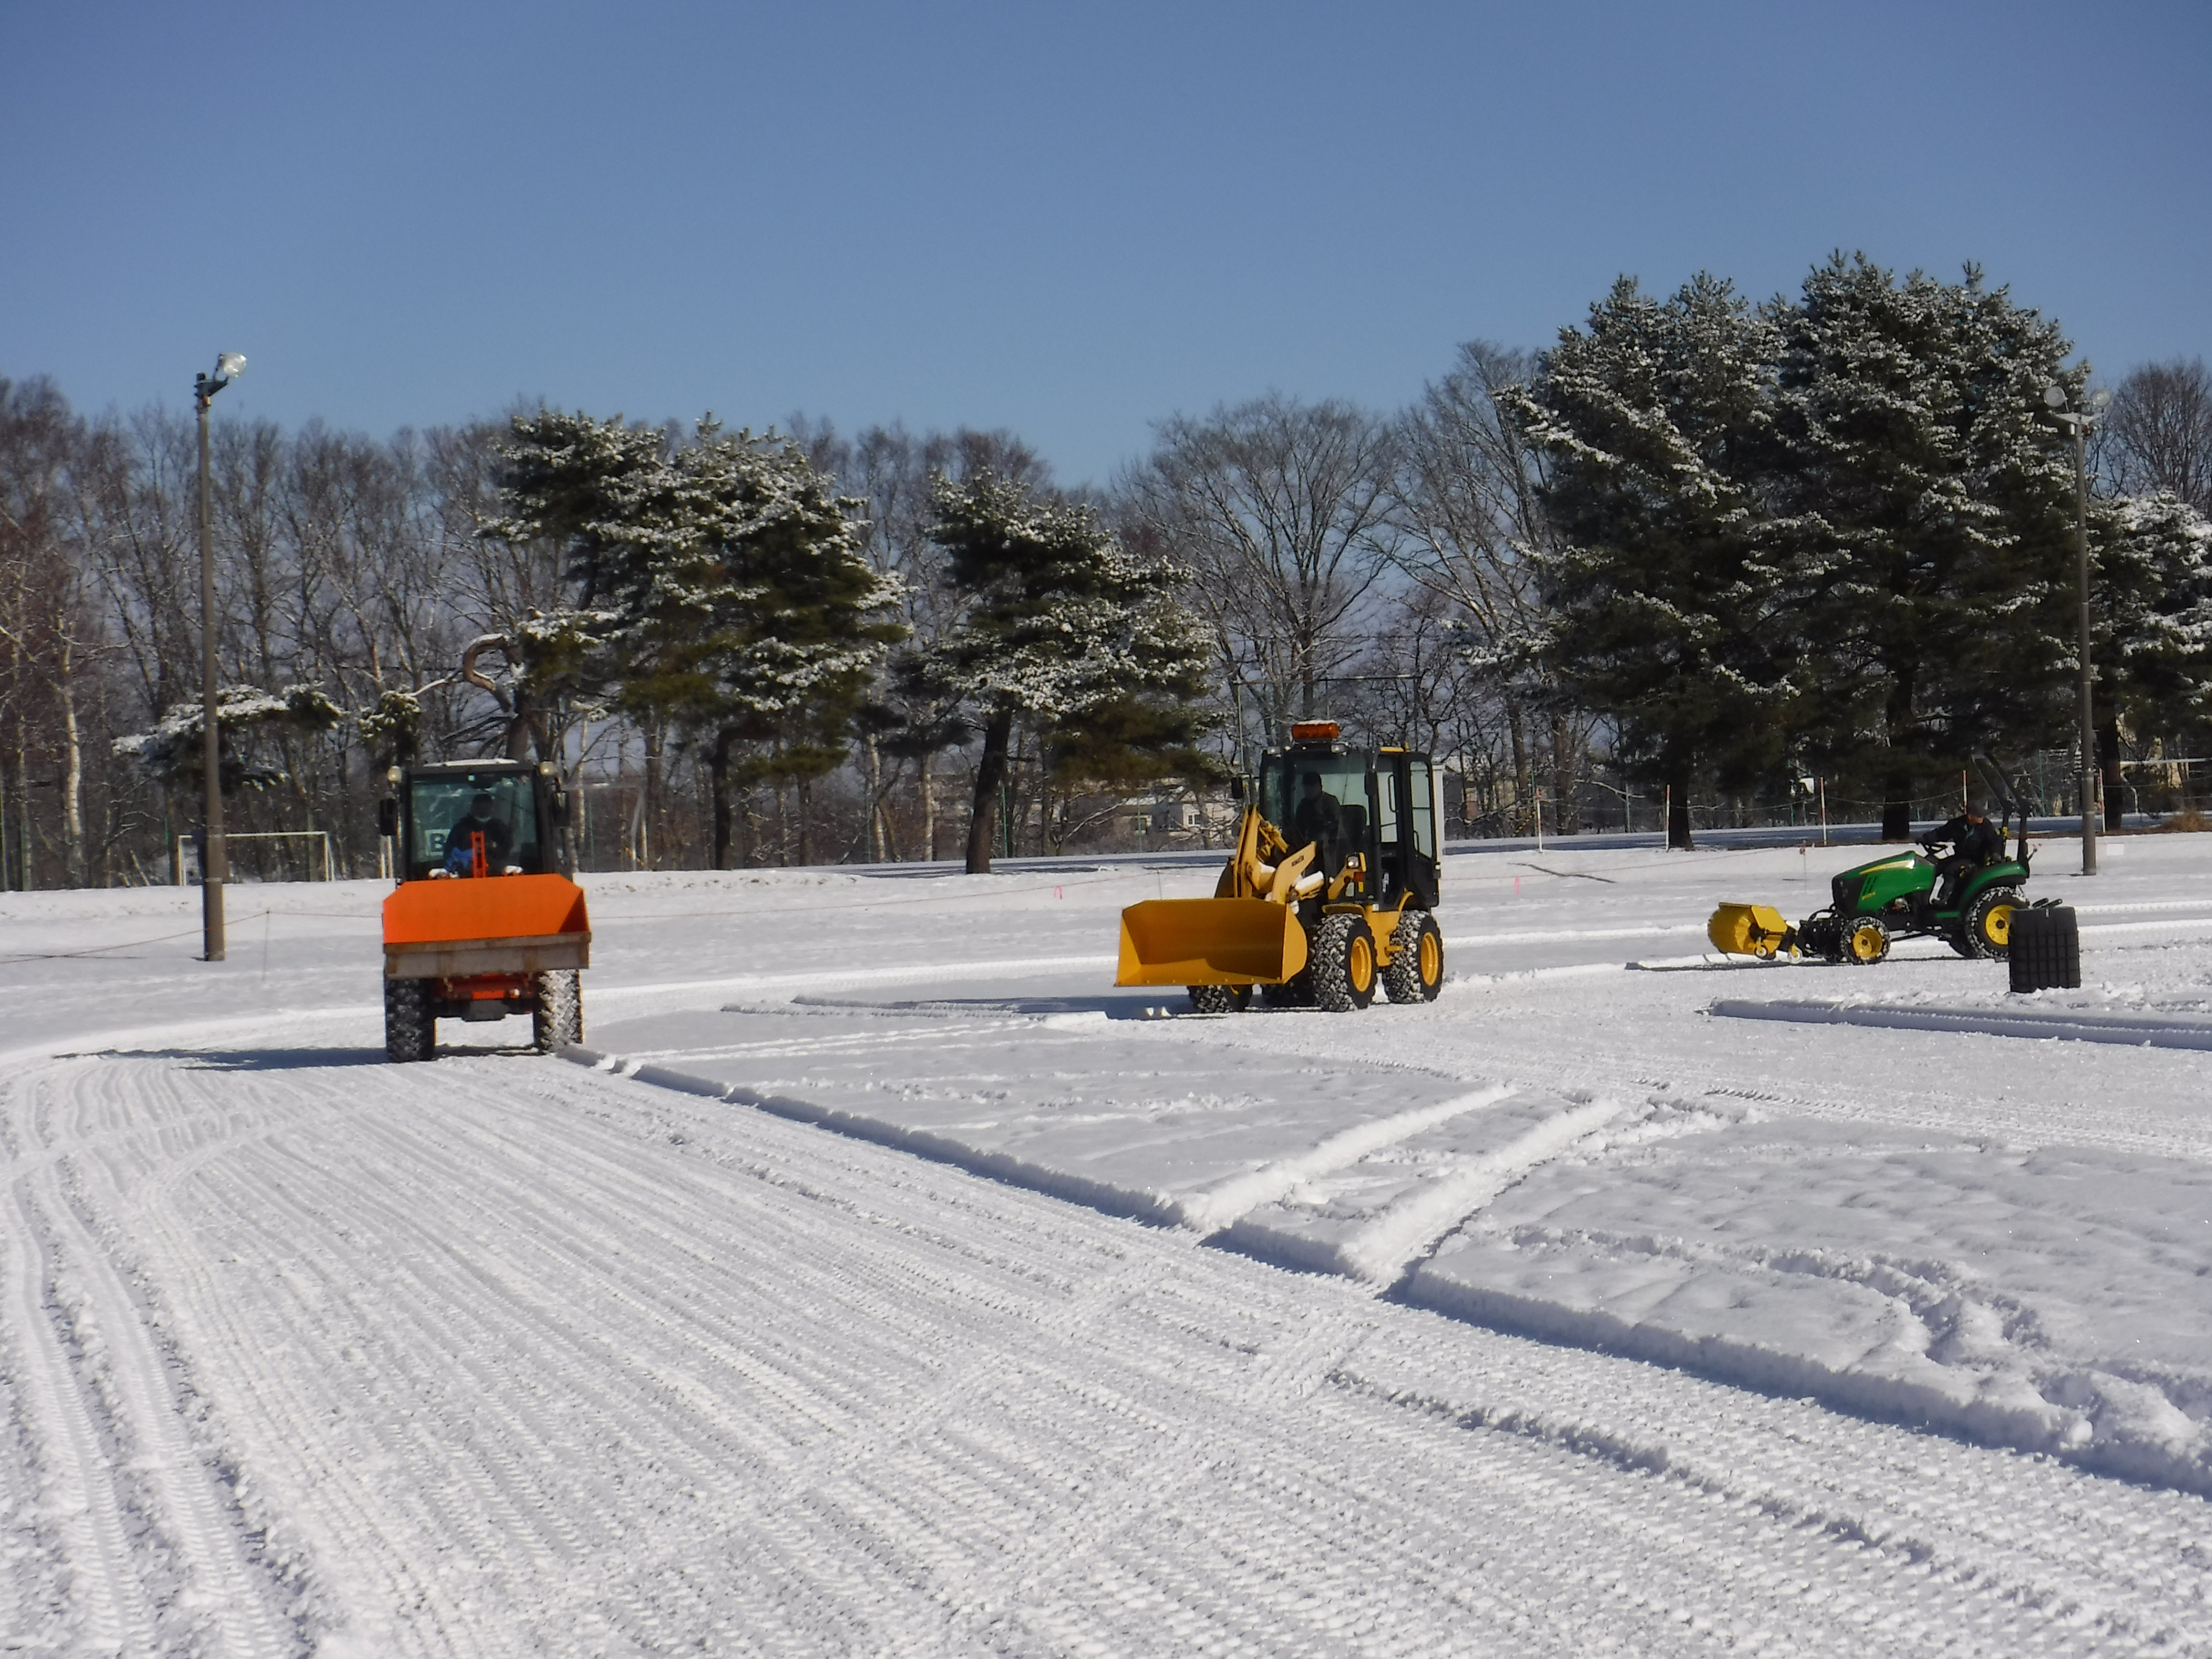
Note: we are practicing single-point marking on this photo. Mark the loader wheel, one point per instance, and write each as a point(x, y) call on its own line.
point(558, 1019)
point(1295, 993)
point(1866, 941)
point(410, 1030)
point(1986, 928)
point(1343, 965)
point(1416, 972)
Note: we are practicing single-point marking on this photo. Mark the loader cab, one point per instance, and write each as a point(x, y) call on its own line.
point(433, 807)
point(1384, 811)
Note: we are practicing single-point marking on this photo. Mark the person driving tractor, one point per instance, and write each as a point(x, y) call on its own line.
point(1317, 821)
point(1974, 842)
point(482, 820)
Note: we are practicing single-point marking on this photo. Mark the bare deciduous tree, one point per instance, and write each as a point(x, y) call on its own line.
point(1277, 511)
point(2158, 434)
point(1466, 503)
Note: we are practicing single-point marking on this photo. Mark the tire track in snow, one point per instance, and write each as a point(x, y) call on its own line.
point(218, 1598)
point(103, 1602)
point(1379, 1250)
point(1219, 1206)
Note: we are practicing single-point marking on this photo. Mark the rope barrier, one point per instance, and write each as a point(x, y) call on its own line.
point(127, 944)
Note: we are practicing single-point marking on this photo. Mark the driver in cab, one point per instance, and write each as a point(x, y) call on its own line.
point(482, 819)
point(1317, 821)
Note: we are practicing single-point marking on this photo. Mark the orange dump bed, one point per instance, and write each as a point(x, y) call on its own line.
point(485, 925)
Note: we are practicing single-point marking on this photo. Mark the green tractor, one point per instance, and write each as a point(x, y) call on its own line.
point(1900, 895)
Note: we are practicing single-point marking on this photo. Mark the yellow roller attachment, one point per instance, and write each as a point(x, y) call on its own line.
point(1749, 930)
point(1210, 941)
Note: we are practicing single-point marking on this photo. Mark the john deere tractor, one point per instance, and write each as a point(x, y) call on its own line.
point(1899, 896)
point(1330, 894)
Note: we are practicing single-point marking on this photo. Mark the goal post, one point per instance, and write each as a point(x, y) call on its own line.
point(190, 845)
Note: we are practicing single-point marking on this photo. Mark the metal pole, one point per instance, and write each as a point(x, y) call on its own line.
point(213, 867)
point(2088, 671)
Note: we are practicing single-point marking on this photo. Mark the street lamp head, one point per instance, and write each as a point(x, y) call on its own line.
point(2099, 398)
point(2054, 394)
point(228, 366)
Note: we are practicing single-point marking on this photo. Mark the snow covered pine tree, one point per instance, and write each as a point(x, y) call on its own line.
point(1060, 627)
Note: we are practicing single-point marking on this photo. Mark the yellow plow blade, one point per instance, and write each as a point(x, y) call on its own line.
point(1748, 930)
point(1210, 941)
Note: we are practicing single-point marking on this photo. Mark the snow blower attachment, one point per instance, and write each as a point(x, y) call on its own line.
point(485, 921)
point(1750, 930)
point(1318, 917)
point(1898, 895)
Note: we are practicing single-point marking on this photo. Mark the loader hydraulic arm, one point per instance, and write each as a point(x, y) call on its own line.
point(1248, 873)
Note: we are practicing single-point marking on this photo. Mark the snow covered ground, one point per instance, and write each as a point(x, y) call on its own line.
point(301, 1352)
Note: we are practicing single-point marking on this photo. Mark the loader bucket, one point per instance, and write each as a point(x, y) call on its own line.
point(1748, 930)
point(1210, 941)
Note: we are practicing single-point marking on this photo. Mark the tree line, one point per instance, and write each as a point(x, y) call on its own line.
point(1695, 549)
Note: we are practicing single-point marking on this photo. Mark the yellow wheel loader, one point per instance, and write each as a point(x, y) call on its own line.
point(1331, 892)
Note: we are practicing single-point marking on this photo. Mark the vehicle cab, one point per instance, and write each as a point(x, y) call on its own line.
point(432, 819)
point(1385, 814)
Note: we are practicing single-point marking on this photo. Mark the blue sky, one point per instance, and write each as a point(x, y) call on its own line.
point(1071, 220)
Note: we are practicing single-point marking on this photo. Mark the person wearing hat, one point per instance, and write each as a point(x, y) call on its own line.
point(1974, 842)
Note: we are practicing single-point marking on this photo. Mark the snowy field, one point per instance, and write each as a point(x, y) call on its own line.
point(882, 1281)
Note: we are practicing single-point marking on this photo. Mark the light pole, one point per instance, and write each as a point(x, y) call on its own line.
point(2055, 395)
point(214, 865)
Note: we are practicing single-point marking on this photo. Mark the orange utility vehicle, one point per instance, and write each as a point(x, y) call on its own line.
point(485, 921)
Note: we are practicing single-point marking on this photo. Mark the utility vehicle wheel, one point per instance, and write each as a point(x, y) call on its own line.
point(1343, 965)
point(410, 1030)
point(1298, 993)
point(1865, 941)
point(1416, 972)
point(559, 1017)
point(1986, 928)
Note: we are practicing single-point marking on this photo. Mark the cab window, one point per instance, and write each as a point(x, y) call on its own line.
point(1343, 779)
point(443, 822)
point(1422, 809)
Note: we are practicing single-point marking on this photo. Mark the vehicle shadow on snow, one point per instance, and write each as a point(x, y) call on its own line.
point(301, 1059)
point(1119, 1006)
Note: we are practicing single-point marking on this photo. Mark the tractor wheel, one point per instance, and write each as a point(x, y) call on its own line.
point(1220, 999)
point(410, 1030)
point(1416, 972)
point(1343, 966)
point(1865, 941)
point(558, 1018)
point(1296, 992)
point(1986, 928)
